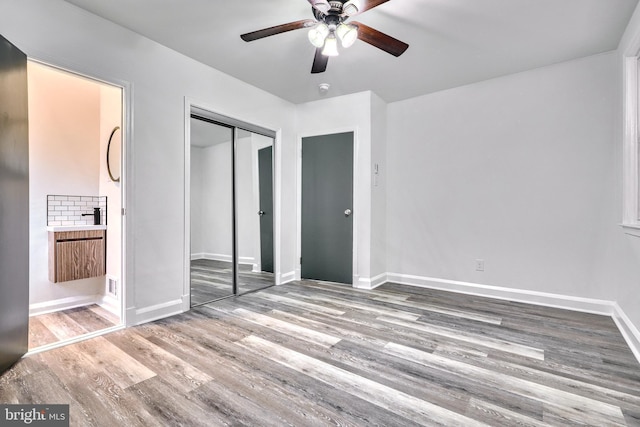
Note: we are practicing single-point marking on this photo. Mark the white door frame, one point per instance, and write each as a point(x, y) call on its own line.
point(126, 292)
point(189, 104)
point(357, 200)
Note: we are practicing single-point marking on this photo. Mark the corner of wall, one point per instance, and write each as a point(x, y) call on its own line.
point(628, 330)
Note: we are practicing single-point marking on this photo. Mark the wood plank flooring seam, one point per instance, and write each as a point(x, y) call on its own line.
point(603, 413)
point(314, 354)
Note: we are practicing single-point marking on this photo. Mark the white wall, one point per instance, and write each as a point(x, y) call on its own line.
point(211, 193)
point(158, 79)
point(514, 171)
point(197, 247)
point(64, 150)
point(378, 189)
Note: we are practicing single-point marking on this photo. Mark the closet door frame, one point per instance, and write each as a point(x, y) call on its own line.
point(195, 109)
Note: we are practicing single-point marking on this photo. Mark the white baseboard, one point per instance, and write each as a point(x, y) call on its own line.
point(111, 304)
point(213, 257)
point(287, 277)
point(63, 304)
point(246, 260)
point(222, 257)
point(587, 305)
point(372, 283)
point(154, 312)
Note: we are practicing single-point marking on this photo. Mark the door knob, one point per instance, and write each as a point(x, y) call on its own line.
point(261, 213)
point(347, 212)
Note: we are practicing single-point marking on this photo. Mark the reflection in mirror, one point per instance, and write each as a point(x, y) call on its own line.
point(211, 212)
point(254, 207)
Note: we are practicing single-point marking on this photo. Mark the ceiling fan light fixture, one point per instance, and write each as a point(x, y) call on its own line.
point(330, 46)
point(349, 8)
point(348, 34)
point(322, 5)
point(318, 34)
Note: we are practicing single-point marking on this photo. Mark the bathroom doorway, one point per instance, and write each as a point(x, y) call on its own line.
point(76, 184)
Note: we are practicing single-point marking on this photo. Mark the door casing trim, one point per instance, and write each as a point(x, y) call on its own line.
point(357, 199)
point(191, 104)
point(126, 289)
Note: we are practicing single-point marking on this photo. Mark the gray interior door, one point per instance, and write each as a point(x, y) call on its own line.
point(14, 205)
point(265, 173)
point(327, 201)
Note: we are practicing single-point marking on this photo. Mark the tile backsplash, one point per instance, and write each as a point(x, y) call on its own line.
point(68, 210)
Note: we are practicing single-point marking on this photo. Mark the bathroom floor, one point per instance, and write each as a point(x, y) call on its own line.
point(62, 325)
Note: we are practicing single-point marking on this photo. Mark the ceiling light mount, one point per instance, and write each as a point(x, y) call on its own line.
point(323, 88)
point(336, 7)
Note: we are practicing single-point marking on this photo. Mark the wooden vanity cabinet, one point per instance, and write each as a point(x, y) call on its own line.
point(76, 255)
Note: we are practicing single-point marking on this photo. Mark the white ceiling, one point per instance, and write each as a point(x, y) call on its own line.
point(452, 42)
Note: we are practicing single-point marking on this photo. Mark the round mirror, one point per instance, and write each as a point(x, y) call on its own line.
point(113, 154)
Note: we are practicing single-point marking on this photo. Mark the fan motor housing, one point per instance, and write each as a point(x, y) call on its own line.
point(332, 17)
point(336, 6)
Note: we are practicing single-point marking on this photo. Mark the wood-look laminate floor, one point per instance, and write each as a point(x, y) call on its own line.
point(316, 354)
point(66, 324)
point(212, 280)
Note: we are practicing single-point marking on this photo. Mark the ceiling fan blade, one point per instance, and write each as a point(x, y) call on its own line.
point(319, 62)
point(380, 40)
point(272, 31)
point(364, 5)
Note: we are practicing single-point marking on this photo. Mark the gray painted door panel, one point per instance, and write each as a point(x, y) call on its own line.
point(14, 205)
point(265, 172)
point(327, 192)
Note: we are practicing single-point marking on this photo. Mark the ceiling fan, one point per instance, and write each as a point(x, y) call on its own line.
point(330, 25)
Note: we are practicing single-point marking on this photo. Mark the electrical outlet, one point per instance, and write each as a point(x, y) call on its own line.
point(479, 265)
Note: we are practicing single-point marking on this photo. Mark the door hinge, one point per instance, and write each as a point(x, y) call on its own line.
point(300, 260)
point(124, 212)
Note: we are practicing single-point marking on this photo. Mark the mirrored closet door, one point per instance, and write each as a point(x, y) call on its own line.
point(212, 222)
point(254, 207)
point(231, 205)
